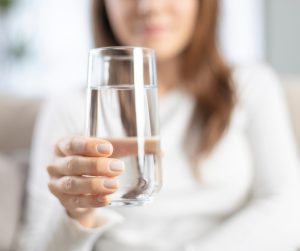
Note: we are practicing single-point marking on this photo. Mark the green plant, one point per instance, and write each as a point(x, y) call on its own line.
point(19, 50)
point(5, 5)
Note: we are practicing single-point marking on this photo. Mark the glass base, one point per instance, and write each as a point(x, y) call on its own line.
point(128, 203)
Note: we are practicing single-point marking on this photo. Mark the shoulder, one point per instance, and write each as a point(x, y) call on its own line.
point(254, 82)
point(254, 76)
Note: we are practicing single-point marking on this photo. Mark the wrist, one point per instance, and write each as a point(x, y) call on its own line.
point(86, 217)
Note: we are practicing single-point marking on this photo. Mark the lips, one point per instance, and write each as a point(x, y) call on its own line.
point(154, 29)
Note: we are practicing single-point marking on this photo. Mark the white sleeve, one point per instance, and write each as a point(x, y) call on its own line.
point(47, 226)
point(271, 219)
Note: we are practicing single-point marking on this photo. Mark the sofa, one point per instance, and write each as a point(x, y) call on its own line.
point(17, 119)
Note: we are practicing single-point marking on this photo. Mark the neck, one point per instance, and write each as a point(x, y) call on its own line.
point(168, 76)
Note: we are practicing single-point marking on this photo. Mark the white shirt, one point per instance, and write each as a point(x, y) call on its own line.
point(248, 200)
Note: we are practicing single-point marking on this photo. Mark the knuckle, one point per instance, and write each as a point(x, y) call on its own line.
point(77, 145)
point(62, 147)
point(75, 200)
point(69, 145)
point(68, 183)
point(84, 146)
point(71, 164)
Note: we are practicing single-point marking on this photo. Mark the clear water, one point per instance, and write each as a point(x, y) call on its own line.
point(128, 118)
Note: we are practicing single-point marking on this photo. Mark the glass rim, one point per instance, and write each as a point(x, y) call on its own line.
point(97, 51)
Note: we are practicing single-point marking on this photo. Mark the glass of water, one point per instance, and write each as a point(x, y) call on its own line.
point(122, 107)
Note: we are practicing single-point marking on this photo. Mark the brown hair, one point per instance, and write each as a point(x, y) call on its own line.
point(207, 76)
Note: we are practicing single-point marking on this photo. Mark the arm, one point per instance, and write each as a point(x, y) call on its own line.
point(271, 219)
point(48, 227)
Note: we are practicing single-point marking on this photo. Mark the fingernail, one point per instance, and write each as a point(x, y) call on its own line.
point(100, 199)
point(110, 183)
point(104, 148)
point(116, 166)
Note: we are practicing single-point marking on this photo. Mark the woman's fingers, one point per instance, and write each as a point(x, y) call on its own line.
point(75, 185)
point(114, 147)
point(129, 146)
point(77, 165)
point(83, 201)
point(83, 146)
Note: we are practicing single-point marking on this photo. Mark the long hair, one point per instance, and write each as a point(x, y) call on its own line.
point(207, 77)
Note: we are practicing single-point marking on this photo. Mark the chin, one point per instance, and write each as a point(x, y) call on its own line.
point(163, 52)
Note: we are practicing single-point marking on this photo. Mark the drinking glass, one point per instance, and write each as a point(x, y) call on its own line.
point(122, 107)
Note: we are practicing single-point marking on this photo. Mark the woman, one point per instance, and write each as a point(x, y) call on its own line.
point(231, 178)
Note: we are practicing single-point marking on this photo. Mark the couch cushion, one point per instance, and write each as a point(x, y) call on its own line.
point(17, 117)
point(12, 187)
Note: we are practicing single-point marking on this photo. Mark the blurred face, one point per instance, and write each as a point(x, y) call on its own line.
point(165, 25)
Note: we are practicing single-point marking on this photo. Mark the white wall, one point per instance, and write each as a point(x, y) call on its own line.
point(242, 30)
point(58, 33)
point(283, 35)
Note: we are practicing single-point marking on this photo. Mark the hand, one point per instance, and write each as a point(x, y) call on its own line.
point(82, 176)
